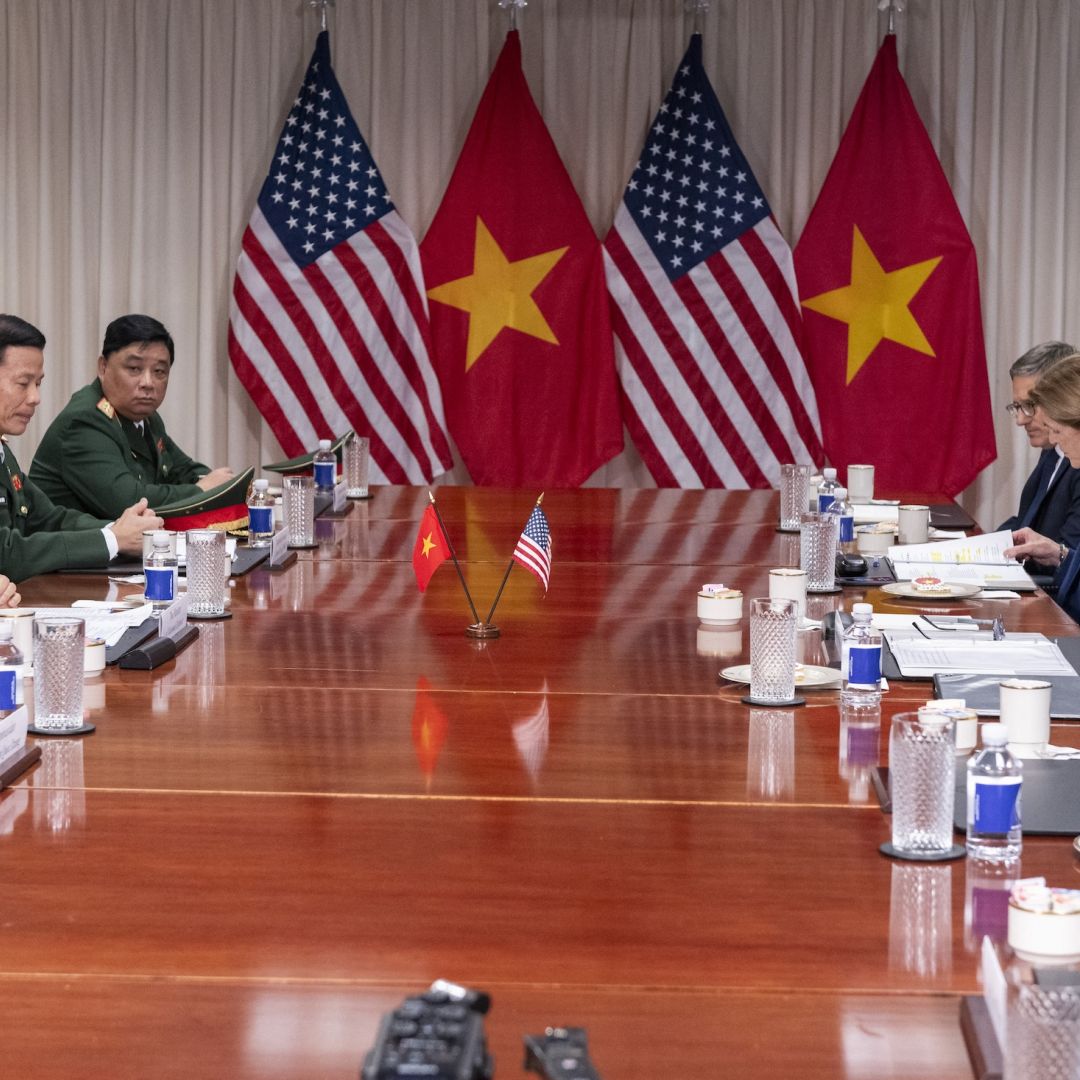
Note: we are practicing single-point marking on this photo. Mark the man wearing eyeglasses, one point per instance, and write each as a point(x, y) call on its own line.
point(1050, 500)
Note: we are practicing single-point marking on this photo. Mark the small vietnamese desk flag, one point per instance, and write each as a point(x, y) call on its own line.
point(519, 312)
point(890, 295)
point(430, 550)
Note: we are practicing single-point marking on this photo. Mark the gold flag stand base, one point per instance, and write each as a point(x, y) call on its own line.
point(482, 630)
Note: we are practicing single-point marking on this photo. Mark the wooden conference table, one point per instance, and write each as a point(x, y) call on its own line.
point(334, 798)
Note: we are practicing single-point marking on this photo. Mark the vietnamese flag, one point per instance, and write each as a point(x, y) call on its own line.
point(519, 309)
point(430, 550)
point(890, 294)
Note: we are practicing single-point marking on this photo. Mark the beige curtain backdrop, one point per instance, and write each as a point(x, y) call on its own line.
point(134, 136)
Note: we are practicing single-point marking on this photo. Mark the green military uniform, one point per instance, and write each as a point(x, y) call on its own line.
point(37, 536)
point(95, 460)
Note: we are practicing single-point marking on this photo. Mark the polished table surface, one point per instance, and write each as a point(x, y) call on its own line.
point(334, 797)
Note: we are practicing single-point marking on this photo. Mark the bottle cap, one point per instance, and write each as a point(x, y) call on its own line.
point(261, 485)
point(161, 538)
point(995, 735)
point(324, 444)
point(862, 609)
point(829, 473)
point(841, 494)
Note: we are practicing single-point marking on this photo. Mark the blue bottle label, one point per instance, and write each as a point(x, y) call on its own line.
point(160, 582)
point(325, 473)
point(847, 529)
point(8, 688)
point(261, 519)
point(864, 664)
point(824, 502)
point(997, 806)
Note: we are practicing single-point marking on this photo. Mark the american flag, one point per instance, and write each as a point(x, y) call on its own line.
point(533, 549)
point(328, 327)
point(707, 323)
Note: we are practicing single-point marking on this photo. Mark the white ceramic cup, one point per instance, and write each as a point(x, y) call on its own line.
point(787, 583)
point(715, 604)
point(1025, 712)
point(22, 630)
point(913, 524)
point(860, 483)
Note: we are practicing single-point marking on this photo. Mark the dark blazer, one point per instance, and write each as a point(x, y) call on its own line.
point(1057, 513)
point(94, 460)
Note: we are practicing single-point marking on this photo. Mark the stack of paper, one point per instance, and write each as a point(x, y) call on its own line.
point(973, 560)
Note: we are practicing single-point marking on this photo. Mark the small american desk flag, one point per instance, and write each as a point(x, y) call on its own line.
point(705, 312)
point(533, 549)
point(328, 328)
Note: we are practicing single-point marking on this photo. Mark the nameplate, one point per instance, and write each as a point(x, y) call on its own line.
point(279, 546)
point(13, 732)
point(341, 497)
point(174, 619)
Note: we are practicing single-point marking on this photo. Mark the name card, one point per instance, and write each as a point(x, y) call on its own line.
point(341, 497)
point(13, 732)
point(279, 546)
point(174, 618)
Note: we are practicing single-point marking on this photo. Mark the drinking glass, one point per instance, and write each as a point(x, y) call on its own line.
point(817, 550)
point(58, 673)
point(922, 761)
point(356, 467)
point(772, 649)
point(1043, 1024)
point(298, 495)
point(207, 579)
point(793, 494)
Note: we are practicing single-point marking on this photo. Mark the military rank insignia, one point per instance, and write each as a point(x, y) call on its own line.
point(105, 407)
point(16, 482)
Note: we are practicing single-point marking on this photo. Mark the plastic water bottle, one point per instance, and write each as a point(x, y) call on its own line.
point(826, 491)
point(260, 510)
point(159, 569)
point(845, 516)
point(325, 464)
point(860, 661)
point(994, 780)
point(11, 671)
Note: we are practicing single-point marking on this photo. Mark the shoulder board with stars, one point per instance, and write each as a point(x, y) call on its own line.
point(105, 406)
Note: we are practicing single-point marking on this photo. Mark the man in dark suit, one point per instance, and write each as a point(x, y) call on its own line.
point(108, 447)
point(1050, 500)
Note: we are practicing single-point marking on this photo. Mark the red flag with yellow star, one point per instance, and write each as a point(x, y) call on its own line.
point(890, 295)
point(519, 314)
point(430, 550)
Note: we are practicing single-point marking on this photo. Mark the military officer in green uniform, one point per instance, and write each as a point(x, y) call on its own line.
point(108, 447)
point(37, 536)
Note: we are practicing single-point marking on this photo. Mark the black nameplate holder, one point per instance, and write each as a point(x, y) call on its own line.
point(159, 651)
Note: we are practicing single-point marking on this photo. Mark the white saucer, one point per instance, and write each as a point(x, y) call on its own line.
point(906, 589)
point(808, 677)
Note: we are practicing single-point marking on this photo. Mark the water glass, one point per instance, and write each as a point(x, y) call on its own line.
point(356, 452)
point(298, 495)
point(58, 673)
point(793, 494)
point(922, 761)
point(207, 571)
point(773, 625)
point(1043, 1025)
point(817, 550)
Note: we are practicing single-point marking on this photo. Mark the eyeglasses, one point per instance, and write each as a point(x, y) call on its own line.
point(1024, 407)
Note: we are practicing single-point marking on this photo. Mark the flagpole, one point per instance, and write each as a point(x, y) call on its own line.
point(700, 8)
point(506, 576)
point(457, 567)
point(322, 5)
point(512, 7)
point(893, 7)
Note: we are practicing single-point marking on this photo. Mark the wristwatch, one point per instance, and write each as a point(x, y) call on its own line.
point(1063, 553)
